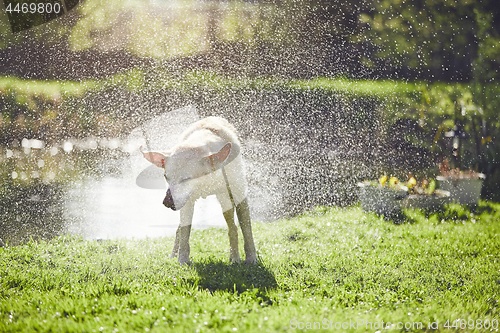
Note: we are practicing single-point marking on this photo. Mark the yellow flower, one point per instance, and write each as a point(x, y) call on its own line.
point(412, 182)
point(393, 181)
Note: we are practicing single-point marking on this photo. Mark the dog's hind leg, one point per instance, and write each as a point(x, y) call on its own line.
point(243, 213)
point(184, 232)
point(232, 231)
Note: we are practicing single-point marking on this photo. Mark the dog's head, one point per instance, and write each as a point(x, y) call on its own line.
point(184, 170)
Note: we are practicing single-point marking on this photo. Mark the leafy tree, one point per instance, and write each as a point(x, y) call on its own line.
point(430, 39)
point(435, 39)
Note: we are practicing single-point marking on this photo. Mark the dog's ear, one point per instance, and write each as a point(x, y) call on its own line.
point(157, 158)
point(215, 160)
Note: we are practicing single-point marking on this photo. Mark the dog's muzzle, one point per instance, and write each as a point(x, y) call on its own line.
point(168, 201)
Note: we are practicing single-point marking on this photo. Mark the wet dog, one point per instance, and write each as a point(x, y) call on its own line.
point(207, 161)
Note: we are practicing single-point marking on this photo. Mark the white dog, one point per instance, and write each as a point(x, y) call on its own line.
point(207, 161)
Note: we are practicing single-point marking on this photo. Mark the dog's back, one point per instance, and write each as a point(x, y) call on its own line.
point(218, 126)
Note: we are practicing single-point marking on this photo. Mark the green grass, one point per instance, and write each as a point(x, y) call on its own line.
point(324, 269)
point(45, 89)
point(359, 88)
point(136, 80)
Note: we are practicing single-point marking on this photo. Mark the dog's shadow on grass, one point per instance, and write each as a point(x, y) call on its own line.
point(220, 275)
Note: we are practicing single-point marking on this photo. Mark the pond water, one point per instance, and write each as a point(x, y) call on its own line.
point(115, 207)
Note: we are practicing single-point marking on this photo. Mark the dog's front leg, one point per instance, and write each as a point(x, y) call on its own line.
point(232, 231)
point(175, 250)
point(184, 232)
point(243, 212)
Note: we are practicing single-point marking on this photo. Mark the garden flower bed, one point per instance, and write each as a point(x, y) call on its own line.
point(388, 196)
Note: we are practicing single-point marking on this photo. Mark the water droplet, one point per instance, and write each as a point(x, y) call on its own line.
point(67, 146)
point(50, 176)
point(36, 144)
point(25, 143)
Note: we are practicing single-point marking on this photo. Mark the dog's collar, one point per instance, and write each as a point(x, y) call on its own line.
point(232, 155)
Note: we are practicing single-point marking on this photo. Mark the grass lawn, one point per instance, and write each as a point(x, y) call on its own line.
point(336, 269)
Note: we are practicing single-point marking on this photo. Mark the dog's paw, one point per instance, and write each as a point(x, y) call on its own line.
point(184, 261)
point(251, 260)
point(235, 260)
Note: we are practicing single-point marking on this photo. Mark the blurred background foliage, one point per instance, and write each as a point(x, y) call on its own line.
point(108, 65)
point(432, 40)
